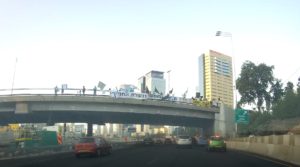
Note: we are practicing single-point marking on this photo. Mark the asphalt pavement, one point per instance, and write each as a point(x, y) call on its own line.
point(149, 156)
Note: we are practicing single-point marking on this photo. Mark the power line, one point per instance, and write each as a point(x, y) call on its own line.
point(297, 70)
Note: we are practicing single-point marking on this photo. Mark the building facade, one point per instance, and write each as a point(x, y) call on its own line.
point(153, 82)
point(216, 77)
point(142, 84)
point(127, 87)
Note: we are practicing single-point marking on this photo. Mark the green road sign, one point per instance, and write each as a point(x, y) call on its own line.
point(241, 116)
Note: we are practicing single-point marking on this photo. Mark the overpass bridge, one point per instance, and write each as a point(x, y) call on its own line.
point(102, 109)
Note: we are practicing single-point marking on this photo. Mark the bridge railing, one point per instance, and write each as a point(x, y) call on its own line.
point(49, 91)
point(67, 92)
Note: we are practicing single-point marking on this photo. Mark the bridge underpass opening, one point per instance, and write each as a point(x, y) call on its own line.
point(121, 130)
point(105, 117)
point(101, 118)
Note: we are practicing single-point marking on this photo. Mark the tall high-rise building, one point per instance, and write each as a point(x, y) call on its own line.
point(153, 81)
point(215, 77)
point(142, 84)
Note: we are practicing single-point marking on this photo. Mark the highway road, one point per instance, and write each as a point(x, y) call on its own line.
point(149, 156)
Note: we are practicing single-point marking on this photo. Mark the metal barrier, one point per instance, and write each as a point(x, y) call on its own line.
point(49, 91)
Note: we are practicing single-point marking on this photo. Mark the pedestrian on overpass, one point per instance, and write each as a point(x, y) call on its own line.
point(95, 91)
point(55, 90)
point(83, 90)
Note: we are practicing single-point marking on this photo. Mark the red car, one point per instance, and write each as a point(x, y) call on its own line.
point(96, 146)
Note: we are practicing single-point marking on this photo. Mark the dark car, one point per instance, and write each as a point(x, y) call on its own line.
point(148, 141)
point(96, 146)
point(194, 140)
point(168, 141)
point(159, 140)
point(202, 141)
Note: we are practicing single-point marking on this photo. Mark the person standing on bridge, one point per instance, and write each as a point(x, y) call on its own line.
point(83, 90)
point(55, 90)
point(95, 91)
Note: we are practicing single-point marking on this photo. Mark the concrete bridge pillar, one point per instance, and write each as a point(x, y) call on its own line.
point(89, 129)
point(65, 129)
point(207, 132)
point(224, 124)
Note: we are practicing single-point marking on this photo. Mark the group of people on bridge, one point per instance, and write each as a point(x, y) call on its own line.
point(83, 90)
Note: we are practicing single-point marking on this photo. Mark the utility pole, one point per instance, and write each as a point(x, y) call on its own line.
point(169, 79)
point(13, 80)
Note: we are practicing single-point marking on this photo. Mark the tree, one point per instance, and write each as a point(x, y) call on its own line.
point(298, 88)
point(289, 107)
point(258, 124)
point(254, 84)
point(289, 89)
point(277, 92)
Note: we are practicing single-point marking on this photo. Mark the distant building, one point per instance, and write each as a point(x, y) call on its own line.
point(142, 84)
point(152, 82)
point(215, 77)
point(127, 87)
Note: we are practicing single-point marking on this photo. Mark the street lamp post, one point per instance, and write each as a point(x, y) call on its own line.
point(228, 34)
point(169, 79)
point(13, 80)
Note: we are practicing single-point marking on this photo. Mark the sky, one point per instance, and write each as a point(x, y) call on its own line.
point(53, 42)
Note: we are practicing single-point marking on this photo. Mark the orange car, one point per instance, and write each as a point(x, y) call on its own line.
point(96, 146)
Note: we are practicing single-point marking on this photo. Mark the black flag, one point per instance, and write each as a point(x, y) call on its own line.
point(156, 91)
point(147, 90)
point(170, 92)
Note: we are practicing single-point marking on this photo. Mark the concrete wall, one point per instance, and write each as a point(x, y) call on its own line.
point(6, 138)
point(283, 147)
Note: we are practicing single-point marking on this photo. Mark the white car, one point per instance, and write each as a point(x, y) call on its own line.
point(184, 141)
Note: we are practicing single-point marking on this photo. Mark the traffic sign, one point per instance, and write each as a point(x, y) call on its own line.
point(241, 116)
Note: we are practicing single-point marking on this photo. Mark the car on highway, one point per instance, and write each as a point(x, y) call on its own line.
point(168, 140)
point(216, 143)
point(148, 141)
point(184, 141)
point(202, 141)
point(194, 140)
point(96, 146)
point(159, 140)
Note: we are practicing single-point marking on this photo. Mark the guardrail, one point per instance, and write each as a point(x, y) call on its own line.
point(49, 91)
